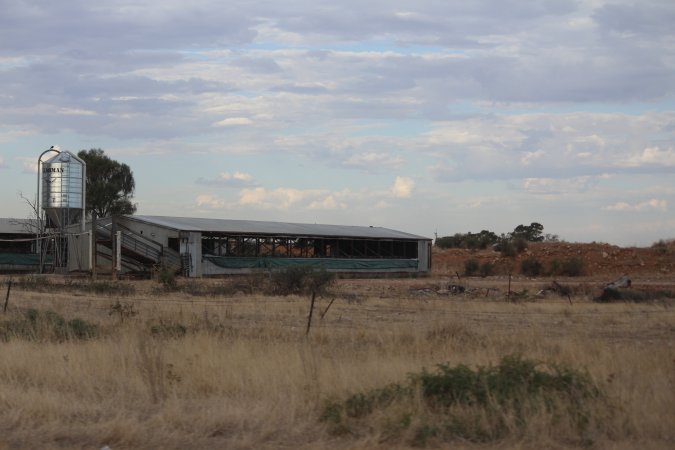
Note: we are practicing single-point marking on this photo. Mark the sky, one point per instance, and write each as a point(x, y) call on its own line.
point(430, 117)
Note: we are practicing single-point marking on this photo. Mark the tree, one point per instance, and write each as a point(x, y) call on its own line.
point(531, 233)
point(110, 184)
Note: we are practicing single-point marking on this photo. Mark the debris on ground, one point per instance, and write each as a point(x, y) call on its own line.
point(456, 289)
point(557, 288)
point(623, 282)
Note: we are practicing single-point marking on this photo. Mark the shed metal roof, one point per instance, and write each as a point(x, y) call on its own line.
point(16, 226)
point(273, 228)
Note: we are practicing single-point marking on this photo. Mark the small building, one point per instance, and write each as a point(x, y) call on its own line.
point(206, 247)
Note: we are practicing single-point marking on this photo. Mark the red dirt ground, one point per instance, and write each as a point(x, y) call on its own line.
point(599, 260)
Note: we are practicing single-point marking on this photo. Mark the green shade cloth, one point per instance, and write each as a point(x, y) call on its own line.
point(21, 259)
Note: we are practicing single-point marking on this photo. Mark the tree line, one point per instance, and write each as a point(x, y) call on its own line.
point(520, 235)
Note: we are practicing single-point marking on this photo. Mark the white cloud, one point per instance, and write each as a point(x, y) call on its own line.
point(653, 204)
point(280, 198)
point(209, 201)
point(236, 179)
point(233, 121)
point(374, 160)
point(76, 112)
point(403, 187)
point(651, 156)
point(237, 176)
point(529, 157)
point(28, 165)
point(549, 145)
point(554, 186)
point(328, 203)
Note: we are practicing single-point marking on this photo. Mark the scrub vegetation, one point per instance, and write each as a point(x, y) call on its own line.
point(385, 365)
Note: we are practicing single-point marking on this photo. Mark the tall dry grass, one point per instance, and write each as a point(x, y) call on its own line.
point(239, 372)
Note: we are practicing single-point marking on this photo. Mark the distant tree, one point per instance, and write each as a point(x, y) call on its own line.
point(110, 184)
point(509, 244)
point(468, 240)
point(532, 232)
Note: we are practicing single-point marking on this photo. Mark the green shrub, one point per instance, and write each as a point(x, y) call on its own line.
point(81, 329)
point(167, 278)
point(301, 280)
point(554, 267)
point(168, 330)
point(661, 247)
point(572, 267)
point(520, 244)
point(481, 404)
point(33, 324)
point(507, 248)
point(531, 267)
point(487, 269)
point(471, 267)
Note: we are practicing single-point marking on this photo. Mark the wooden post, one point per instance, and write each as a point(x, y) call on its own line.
point(93, 246)
point(9, 288)
point(113, 248)
point(311, 310)
point(508, 294)
point(327, 308)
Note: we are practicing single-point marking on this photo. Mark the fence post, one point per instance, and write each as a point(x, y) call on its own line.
point(93, 247)
point(327, 308)
point(9, 288)
point(311, 310)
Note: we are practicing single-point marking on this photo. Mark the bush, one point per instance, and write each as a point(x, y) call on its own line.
point(471, 267)
point(572, 267)
point(507, 249)
point(301, 280)
point(531, 267)
point(482, 404)
point(167, 279)
point(520, 244)
point(46, 326)
point(81, 329)
point(554, 267)
point(487, 269)
point(662, 247)
point(168, 329)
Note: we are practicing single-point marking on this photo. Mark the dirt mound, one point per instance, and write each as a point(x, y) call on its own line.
point(597, 259)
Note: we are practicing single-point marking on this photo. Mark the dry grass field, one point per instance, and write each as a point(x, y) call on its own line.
point(167, 369)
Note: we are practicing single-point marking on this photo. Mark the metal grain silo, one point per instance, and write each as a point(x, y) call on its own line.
point(63, 184)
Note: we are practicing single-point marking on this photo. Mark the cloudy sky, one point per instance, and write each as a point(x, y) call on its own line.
point(428, 116)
